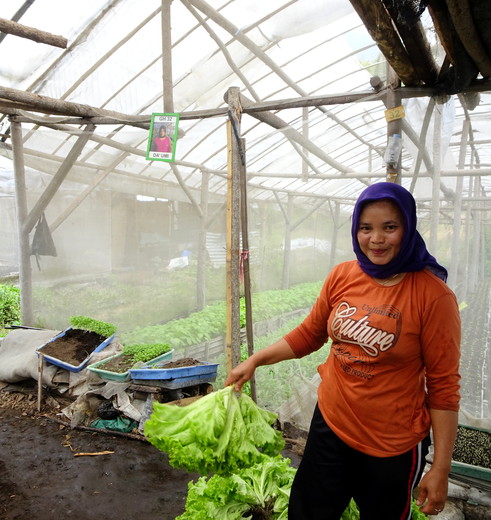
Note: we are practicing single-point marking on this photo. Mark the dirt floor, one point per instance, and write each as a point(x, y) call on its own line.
point(45, 475)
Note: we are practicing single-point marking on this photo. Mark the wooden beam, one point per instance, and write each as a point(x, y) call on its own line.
point(417, 46)
point(17, 29)
point(57, 106)
point(461, 15)
point(11, 99)
point(379, 25)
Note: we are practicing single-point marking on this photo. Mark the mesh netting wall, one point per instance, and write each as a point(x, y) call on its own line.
point(142, 262)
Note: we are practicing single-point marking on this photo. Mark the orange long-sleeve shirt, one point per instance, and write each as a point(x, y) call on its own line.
point(394, 355)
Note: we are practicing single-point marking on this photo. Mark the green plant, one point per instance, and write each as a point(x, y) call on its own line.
point(9, 307)
point(90, 324)
point(143, 353)
point(211, 321)
point(219, 433)
point(263, 487)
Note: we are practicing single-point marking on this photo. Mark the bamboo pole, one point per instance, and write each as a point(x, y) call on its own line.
point(167, 82)
point(393, 127)
point(422, 141)
point(232, 339)
point(285, 278)
point(25, 273)
point(437, 152)
point(245, 263)
point(457, 221)
point(334, 237)
point(200, 268)
point(476, 240)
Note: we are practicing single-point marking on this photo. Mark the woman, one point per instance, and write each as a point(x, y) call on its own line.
point(391, 374)
point(162, 142)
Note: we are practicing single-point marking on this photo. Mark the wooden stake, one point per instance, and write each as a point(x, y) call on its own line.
point(245, 263)
point(40, 379)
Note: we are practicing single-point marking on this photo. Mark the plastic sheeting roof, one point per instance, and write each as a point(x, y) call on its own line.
point(273, 50)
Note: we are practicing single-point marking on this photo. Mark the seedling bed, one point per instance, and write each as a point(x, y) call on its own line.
point(73, 348)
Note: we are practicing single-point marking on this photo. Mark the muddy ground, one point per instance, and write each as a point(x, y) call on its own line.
point(44, 474)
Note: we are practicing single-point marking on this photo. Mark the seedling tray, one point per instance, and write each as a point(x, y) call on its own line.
point(122, 376)
point(174, 384)
point(467, 470)
point(152, 371)
point(467, 465)
point(68, 366)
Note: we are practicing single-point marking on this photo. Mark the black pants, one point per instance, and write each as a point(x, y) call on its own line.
point(331, 473)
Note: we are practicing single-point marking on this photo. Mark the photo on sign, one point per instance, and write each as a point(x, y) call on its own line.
point(162, 137)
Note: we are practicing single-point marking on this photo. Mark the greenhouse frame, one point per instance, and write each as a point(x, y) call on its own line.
point(279, 114)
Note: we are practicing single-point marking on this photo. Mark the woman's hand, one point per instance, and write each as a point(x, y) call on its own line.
point(433, 487)
point(432, 492)
point(241, 374)
point(279, 351)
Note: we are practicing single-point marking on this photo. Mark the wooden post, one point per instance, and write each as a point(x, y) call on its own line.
point(334, 238)
point(200, 269)
point(285, 279)
point(167, 57)
point(476, 238)
point(233, 230)
point(245, 262)
point(394, 126)
point(25, 273)
point(435, 205)
point(305, 133)
point(457, 221)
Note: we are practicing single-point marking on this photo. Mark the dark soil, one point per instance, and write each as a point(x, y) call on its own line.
point(50, 471)
point(74, 346)
point(118, 364)
point(41, 476)
point(124, 362)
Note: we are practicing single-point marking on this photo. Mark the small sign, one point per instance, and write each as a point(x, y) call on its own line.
point(394, 113)
point(162, 137)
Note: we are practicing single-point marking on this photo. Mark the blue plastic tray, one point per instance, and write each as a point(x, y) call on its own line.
point(68, 366)
point(181, 382)
point(98, 367)
point(155, 371)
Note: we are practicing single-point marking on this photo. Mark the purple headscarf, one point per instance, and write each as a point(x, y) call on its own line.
point(413, 255)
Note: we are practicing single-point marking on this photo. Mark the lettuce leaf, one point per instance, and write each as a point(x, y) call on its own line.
point(219, 433)
point(263, 486)
point(232, 497)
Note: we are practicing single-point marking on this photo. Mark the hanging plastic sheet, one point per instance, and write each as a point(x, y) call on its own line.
point(42, 242)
